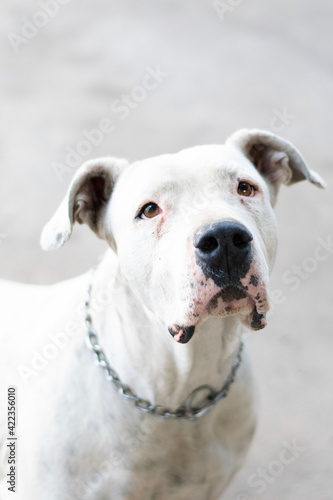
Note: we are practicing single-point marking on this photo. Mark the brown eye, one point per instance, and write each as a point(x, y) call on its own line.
point(245, 189)
point(149, 211)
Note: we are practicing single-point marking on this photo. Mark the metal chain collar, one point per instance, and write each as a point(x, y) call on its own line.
point(186, 411)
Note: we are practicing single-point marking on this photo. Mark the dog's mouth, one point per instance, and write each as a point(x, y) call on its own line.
point(247, 298)
point(237, 299)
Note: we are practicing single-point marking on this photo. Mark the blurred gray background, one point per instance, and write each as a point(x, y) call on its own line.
point(230, 64)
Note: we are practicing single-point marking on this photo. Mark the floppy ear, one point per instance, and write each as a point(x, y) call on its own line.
point(277, 160)
point(85, 201)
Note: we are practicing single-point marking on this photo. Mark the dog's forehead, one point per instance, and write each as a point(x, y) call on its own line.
point(193, 165)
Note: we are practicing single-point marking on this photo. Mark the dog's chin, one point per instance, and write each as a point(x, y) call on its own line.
point(252, 319)
point(236, 300)
point(232, 300)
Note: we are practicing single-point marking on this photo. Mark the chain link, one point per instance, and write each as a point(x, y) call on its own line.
point(187, 410)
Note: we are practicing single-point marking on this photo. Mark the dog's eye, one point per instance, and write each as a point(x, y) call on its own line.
point(149, 211)
point(245, 189)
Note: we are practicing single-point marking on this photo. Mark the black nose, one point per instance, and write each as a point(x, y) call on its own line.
point(224, 249)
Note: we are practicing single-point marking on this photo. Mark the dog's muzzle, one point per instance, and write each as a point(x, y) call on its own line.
point(223, 251)
point(225, 254)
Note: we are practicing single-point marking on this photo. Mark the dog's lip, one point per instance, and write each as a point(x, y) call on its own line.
point(253, 316)
point(181, 333)
point(246, 298)
point(237, 299)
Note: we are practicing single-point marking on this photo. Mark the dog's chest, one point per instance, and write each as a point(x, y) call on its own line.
point(143, 457)
point(110, 450)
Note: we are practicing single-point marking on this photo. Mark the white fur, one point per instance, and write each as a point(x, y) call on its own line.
point(79, 438)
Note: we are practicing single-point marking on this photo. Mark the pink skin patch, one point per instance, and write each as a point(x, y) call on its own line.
point(202, 297)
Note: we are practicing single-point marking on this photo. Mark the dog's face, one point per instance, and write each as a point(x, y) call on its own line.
point(195, 232)
point(195, 235)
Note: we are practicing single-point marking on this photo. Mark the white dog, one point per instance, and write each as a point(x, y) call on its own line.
point(168, 411)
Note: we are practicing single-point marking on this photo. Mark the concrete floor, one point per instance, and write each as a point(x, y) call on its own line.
point(243, 64)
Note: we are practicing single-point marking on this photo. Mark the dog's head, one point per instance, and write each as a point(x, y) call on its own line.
point(194, 232)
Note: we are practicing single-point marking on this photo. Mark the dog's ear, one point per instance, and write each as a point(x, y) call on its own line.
point(85, 201)
point(277, 160)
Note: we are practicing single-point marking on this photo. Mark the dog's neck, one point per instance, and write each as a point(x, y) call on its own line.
point(144, 354)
